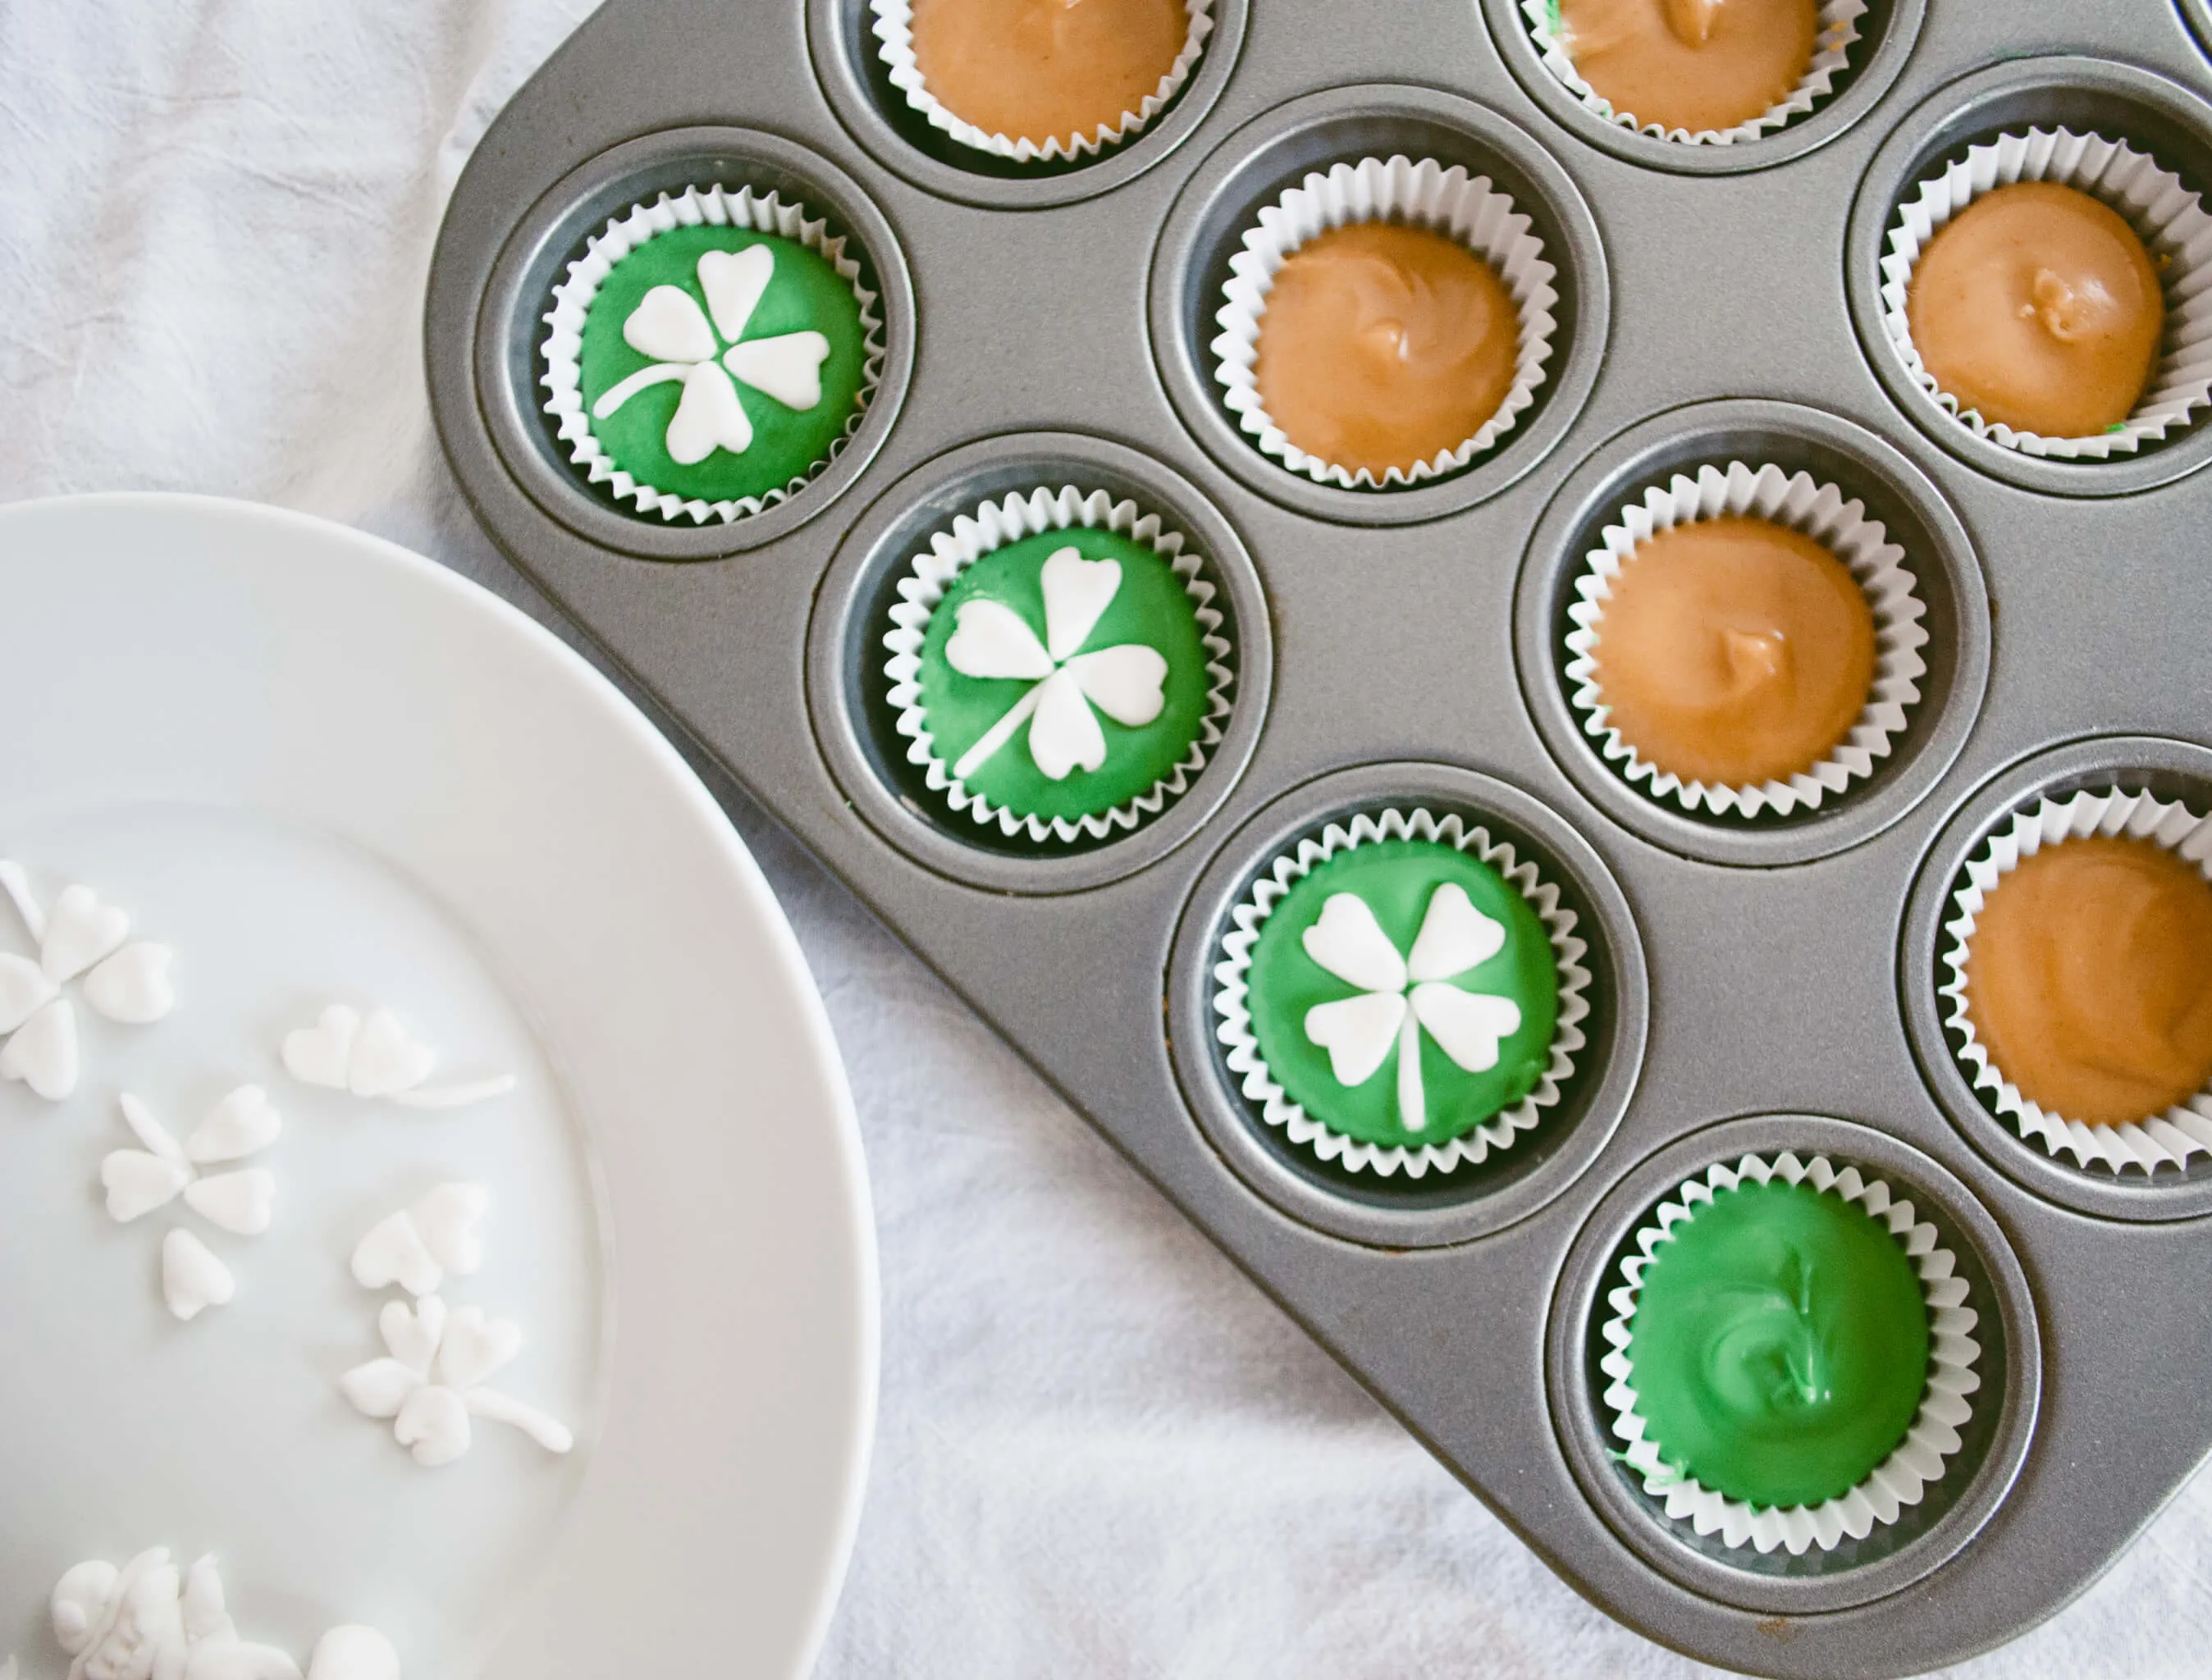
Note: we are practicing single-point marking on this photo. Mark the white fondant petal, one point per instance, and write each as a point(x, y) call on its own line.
point(206, 1616)
point(243, 1203)
point(669, 325)
point(474, 1346)
point(1357, 1031)
point(192, 1279)
point(318, 1055)
point(1128, 683)
point(148, 1130)
point(447, 1219)
point(1454, 936)
point(43, 1052)
point(787, 366)
point(241, 1123)
point(385, 1058)
point(80, 1598)
point(1077, 593)
point(24, 988)
point(133, 985)
point(1346, 940)
point(434, 1423)
point(393, 1251)
point(138, 1182)
point(80, 930)
point(353, 1652)
point(734, 281)
point(1466, 1025)
point(991, 640)
point(1064, 731)
point(708, 418)
point(380, 1387)
point(413, 1333)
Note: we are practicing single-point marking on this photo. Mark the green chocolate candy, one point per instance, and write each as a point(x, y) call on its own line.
point(1779, 1346)
point(803, 294)
point(1397, 880)
point(1149, 607)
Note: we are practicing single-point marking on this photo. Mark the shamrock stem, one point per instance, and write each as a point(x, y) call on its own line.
point(18, 887)
point(1412, 1101)
point(998, 734)
point(489, 1403)
point(615, 395)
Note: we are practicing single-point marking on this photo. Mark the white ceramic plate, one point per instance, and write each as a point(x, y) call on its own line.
point(324, 768)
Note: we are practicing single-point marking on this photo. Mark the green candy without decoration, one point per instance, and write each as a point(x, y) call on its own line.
point(1398, 882)
point(1780, 1344)
point(782, 443)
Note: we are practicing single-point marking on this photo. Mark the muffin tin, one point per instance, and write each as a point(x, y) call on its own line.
point(1759, 983)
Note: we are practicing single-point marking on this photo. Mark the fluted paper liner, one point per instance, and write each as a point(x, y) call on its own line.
point(1277, 1106)
point(2170, 219)
point(1838, 32)
point(1466, 208)
point(695, 206)
point(992, 526)
point(1901, 1480)
point(1818, 511)
point(2158, 1142)
point(893, 33)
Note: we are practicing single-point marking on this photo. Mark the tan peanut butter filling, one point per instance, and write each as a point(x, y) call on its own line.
point(1382, 346)
point(1735, 651)
point(1691, 65)
point(1044, 70)
point(2039, 306)
point(2089, 979)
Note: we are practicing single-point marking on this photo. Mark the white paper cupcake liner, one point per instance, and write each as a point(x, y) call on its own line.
point(2165, 1141)
point(993, 524)
point(1818, 511)
point(893, 33)
point(1279, 1108)
point(709, 206)
point(1425, 195)
point(1838, 34)
point(1900, 1480)
point(2174, 228)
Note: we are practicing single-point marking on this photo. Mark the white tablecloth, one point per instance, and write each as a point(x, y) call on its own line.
point(1103, 1452)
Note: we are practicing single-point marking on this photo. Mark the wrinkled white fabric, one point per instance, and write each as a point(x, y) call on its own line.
point(1103, 1452)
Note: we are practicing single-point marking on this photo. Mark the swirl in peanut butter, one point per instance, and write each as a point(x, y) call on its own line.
point(1383, 346)
point(1699, 66)
point(2039, 307)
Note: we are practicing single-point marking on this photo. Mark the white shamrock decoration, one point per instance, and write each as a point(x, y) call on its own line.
point(242, 1201)
point(149, 1621)
point(432, 1384)
point(1128, 682)
point(418, 1245)
point(81, 936)
point(669, 326)
point(1399, 996)
point(376, 1056)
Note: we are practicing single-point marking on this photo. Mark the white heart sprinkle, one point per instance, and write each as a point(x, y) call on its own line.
point(413, 1333)
point(1128, 683)
point(242, 1204)
point(787, 366)
point(138, 1182)
point(320, 1055)
point(1454, 936)
point(989, 639)
point(24, 988)
point(1077, 593)
point(380, 1387)
point(1346, 940)
point(80, 930)
point(733, 281)
point(708, 416)
point(1469, 1025)
point(192, 1279)
point(149, 1131)
point(43, 1052)
point(393, 1251)
point(669, 325)
point(446, 1219)
point(385, 1059)
point(133, 985)
point(475, 1347)
point(434, 1423)
point(354, 1653)
point(240, 1124)
point(1064, 731)
point(1358, 1034)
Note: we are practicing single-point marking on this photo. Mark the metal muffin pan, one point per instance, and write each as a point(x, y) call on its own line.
point(1400, 663)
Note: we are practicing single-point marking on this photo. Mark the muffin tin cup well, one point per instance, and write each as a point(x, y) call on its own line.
point(1837, 37)
point(850, 63)
point(1993, 1437)
point(2171, 773)
point(1205, 233)
point(856, 718)
point(1976, 130)
point(1400, 1210)
point(511, 330)
point(1884, 31)
point(1947, 582)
